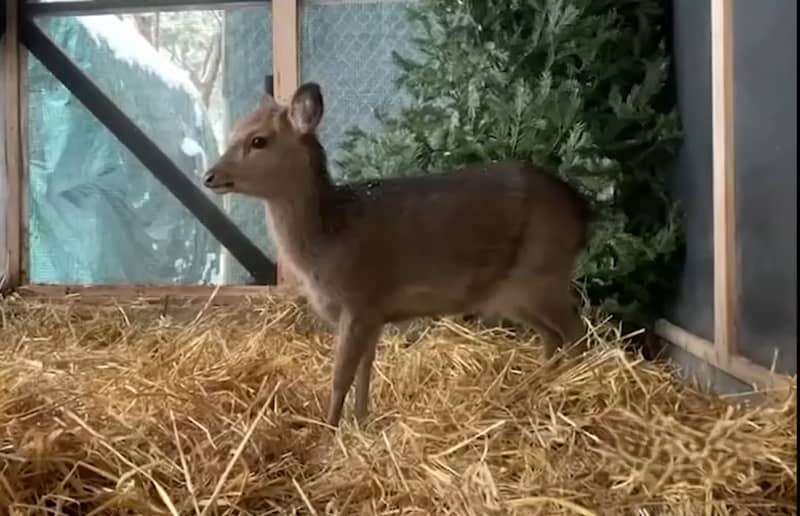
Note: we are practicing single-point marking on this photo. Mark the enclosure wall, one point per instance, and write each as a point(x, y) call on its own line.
point(765, 82)
point(765, 106)
point(691, 49)
point(3, 188)
point(97, 216)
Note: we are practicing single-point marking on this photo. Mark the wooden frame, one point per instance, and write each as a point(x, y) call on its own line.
point(20, 29)
point(721, 353)
point(87, 7)
point(724, 180)
point(741, 368)
point(286, 73)
point(157, 162)
point(150, 294)
point(15, 238)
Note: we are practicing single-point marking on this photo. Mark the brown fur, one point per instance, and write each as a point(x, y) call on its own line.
point(498, 239)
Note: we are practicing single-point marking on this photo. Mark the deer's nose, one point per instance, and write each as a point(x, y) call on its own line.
point(208, 179)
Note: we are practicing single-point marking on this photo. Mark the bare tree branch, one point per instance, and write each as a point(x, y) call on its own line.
point(144, 24)
point(211, 69)
point(157, 30)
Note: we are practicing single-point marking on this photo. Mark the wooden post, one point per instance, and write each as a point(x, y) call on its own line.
point(285, 71)
point(15, 238)
point(724, 207)
point(284, 48)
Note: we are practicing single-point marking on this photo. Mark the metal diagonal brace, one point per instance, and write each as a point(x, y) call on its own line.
point(151, 156)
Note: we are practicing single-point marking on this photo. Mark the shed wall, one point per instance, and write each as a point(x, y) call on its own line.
point(765, 84)
point(765, 93)
point(3, 188)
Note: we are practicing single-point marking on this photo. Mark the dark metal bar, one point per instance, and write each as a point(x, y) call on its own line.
point(88, 7)
point(151, 156)
point(269, 85)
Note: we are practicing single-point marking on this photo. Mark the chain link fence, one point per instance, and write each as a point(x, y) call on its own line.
point(346, 46)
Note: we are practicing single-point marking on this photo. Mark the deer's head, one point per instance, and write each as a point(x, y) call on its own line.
point(273, 151)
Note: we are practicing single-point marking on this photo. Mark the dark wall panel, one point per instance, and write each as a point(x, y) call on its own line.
point(765, 82)
point(765, 93)
point(691, 47)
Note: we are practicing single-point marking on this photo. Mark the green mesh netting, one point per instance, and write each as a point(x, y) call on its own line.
point(248, 59)
point(96, 214)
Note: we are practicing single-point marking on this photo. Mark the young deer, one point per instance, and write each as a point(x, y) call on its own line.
point(497, 239)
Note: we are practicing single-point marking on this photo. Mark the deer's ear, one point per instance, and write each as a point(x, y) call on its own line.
point(267, 99)
point(269, 85)
point(306, 108)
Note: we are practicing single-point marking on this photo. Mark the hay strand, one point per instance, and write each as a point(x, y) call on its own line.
point(202, 410)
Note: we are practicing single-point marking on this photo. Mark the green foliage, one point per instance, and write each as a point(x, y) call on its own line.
point(577, 86)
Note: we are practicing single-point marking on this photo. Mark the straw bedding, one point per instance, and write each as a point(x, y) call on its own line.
point(121, 410)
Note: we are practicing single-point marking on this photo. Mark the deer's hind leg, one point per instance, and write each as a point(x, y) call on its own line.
point(546, 305)
point(550, 337)
point(555, 309)
point(515, 304)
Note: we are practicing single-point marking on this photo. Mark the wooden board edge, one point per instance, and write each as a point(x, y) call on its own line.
point(737, 366)
point(14, 273)
point(154, 294)
point(285, 70)
point(723, 180)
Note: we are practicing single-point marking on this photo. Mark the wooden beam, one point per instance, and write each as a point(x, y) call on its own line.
point(737, 366)
point(284, 49)
point(15, 267)
point(89, 7)
point(152, 294)
point(724, 200)
point(24, 187)
point(285, 76)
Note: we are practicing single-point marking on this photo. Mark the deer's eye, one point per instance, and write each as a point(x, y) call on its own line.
point(259, 142)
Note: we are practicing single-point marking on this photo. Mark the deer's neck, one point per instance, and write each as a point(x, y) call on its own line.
point(298, 229)
point(300, 220)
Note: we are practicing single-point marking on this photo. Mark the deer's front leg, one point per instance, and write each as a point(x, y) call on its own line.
point(356, 338)
point(363, 376)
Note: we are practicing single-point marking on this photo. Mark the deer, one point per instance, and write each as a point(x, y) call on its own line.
point(500, 239)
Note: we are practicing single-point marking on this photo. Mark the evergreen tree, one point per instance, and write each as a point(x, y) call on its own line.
point(576, 86)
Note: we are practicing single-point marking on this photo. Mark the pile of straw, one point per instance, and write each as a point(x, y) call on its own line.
point(122, 411)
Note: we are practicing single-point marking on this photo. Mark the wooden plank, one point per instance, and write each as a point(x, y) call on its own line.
point(284, 49)
point(285, 77)
point(724, 201)
point(739, 367)
point(24, 186)
point(90, 7)
point(153, 294)
point(14, 272)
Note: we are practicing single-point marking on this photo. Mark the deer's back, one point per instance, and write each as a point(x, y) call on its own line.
point(439, 243)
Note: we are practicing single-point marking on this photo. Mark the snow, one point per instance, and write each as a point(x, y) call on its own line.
point(198, 116)
point(191, 148)
point(180, 265)
point(211, 271)
point(138, 204)
point(131, 47)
